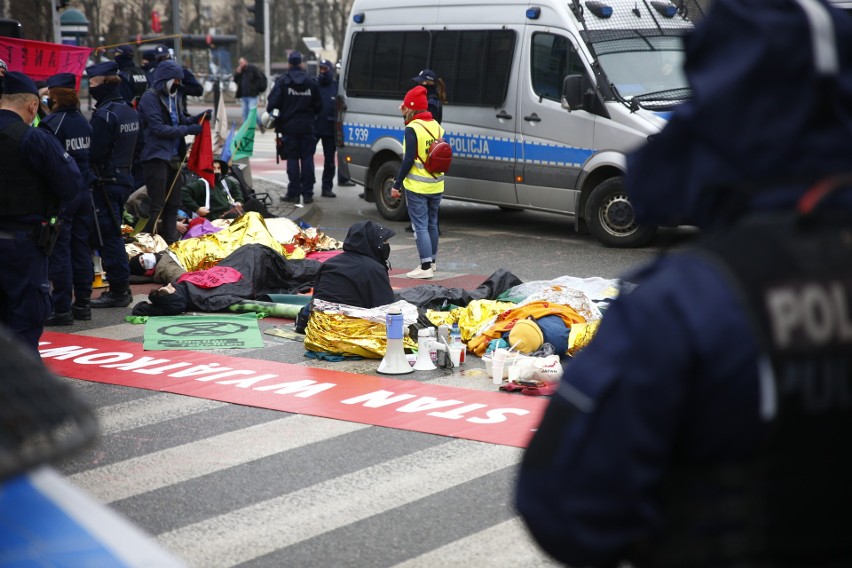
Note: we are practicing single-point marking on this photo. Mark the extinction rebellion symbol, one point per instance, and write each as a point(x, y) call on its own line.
point(203, 329)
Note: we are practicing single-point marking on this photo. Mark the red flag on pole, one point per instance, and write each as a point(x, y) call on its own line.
point(200, 158)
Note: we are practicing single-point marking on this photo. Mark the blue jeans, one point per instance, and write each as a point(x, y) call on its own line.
point(423, 212)
point(249, 103)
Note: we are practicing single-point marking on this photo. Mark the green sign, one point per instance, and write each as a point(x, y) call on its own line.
point(216, 331)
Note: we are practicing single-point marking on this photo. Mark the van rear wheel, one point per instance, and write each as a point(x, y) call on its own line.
point(391, 208)
point(610, 217)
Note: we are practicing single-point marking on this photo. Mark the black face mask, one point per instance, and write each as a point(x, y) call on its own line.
point(101, 91)
point(218, 177)
point(384, 254)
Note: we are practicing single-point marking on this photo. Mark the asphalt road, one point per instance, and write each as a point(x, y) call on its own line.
point(221, 484)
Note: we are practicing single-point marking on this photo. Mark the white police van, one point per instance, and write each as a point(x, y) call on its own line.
point(545, 98)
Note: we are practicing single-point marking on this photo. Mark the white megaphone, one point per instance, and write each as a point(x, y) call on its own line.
point(394, 362)
point(424, 347)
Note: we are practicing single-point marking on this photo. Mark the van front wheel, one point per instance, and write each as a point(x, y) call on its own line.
point(391, 208)
point(610, 217)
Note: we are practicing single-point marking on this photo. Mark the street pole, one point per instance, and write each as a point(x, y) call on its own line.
point(267, 61)
point(176, 30)
point(57, 32)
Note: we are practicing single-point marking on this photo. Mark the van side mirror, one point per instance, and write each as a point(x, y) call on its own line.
point(574, 88)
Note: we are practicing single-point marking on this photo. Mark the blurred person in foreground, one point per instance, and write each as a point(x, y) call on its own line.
point(702, 426)
point(36, 174)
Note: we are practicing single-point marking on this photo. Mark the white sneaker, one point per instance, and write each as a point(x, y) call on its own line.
point(419, 273)
point(434, 266)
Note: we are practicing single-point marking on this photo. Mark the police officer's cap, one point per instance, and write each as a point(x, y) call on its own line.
point(124, 50)
point(16, 82)
point(63, 80)
point(295, 58)
point(104, 69)
point(327, 64)
point(425, 75)
point(162, 52)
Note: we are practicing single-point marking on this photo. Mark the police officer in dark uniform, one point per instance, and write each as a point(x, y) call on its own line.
point(36, 174)
point(704, 425)
point(326, 123)
point(71, 271)
point(134, 81)
point(115, 127)
point(296, 100)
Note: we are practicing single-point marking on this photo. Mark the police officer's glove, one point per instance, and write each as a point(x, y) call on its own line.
point(191, 129)
point(207, 115)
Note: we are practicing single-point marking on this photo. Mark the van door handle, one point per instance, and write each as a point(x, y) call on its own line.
point(533, 118)
point(503, 114)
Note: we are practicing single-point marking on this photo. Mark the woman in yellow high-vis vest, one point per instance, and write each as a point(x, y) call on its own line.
point(424, 189)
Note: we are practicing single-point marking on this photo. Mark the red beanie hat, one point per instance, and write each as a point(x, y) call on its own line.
point(415, 99)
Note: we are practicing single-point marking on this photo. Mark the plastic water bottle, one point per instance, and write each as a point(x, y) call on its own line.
point(456, 340)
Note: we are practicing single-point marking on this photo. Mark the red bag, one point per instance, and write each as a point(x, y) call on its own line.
point(439, 156)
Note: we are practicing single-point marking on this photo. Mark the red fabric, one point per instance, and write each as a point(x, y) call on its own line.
point(200, 158)
point(322, 255)
point(211, 277)
point(416, 99)
point(39, 60)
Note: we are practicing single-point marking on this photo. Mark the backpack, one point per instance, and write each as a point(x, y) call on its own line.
point(262, 82)
point(439, 156)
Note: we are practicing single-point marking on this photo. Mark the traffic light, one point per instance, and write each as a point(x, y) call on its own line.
point(256, 18)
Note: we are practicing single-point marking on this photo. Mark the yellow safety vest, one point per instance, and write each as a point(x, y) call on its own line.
point(418, 179)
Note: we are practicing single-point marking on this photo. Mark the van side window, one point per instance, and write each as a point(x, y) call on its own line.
point(474, 64)
point(553, 57)
point(383, 63)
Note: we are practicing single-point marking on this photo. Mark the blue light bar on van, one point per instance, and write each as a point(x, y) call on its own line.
point(358, 18)
point(599, 9)
point(666, 9)
point(533, 13)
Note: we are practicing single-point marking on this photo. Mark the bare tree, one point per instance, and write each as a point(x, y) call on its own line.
point(35, 16)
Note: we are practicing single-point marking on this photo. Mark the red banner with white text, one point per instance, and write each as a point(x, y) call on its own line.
point(40, 60)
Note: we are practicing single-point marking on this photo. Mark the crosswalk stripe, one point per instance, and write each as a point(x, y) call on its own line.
point(259, 529)
point(489, 547)
point(150, 410)
point(189, 461)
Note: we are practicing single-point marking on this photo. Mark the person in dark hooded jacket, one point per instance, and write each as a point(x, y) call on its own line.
point(359, 275)
point(700, 426)
point(295, 99)
point(164, 126)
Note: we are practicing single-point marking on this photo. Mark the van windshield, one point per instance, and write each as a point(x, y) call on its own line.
point(638, 67)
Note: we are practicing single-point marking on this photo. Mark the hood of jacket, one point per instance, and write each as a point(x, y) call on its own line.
point(296, 76)
point(165, 71)
point(771, 114)
point(368, 238)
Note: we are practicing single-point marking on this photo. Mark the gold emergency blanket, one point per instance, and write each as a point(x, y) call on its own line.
point(345, 335)
point(507, 319)
point(580, 336)
point(204, 252)
point(145, 242)
point(348, 330)
point(471, 317)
